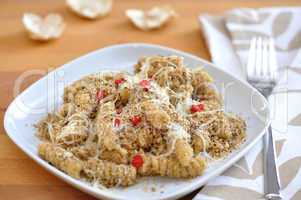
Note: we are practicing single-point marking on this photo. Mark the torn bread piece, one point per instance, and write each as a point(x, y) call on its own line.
point(152, 19)
point(44, 29)
point(90, 9)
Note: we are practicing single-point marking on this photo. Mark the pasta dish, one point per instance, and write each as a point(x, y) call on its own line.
point(114, 127)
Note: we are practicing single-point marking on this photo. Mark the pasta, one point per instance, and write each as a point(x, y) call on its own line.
point(109, 173)
point(61, 158)
point(171, 167)
point(115, 127)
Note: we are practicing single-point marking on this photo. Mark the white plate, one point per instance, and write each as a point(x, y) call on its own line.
point(45, 95)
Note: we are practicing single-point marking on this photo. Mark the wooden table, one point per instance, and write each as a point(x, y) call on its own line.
point(20, 177)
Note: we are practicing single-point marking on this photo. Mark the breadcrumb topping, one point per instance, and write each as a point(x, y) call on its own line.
point(165, 120)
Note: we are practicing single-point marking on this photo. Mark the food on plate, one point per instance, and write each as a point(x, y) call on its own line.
point(165, 120)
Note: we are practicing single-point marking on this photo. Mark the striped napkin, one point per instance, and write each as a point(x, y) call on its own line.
point(231, 35)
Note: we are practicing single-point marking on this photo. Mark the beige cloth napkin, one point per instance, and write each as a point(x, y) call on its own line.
point(228, 38)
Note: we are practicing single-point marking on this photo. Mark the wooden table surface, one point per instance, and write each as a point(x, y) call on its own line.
point(22, 178)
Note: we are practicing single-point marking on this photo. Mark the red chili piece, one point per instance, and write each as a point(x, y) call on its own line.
point(145, 84)
point(100, 95)
point(119, 81)
point(117, 122)
point(137, 161)
point(197, 108)
point(135, 120)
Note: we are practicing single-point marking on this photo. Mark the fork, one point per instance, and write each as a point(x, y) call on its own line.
point(262, 73)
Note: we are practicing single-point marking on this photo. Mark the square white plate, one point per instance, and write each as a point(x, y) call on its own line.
point(45, 96)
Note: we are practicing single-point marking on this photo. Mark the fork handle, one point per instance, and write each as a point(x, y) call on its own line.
point(271, 175)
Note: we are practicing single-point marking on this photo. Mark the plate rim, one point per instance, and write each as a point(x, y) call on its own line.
point(99, 193)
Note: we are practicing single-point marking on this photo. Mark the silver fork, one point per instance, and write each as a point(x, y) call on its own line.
point(262, 73)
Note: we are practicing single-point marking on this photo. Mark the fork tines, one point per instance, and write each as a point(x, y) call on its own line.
point(262, 64)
